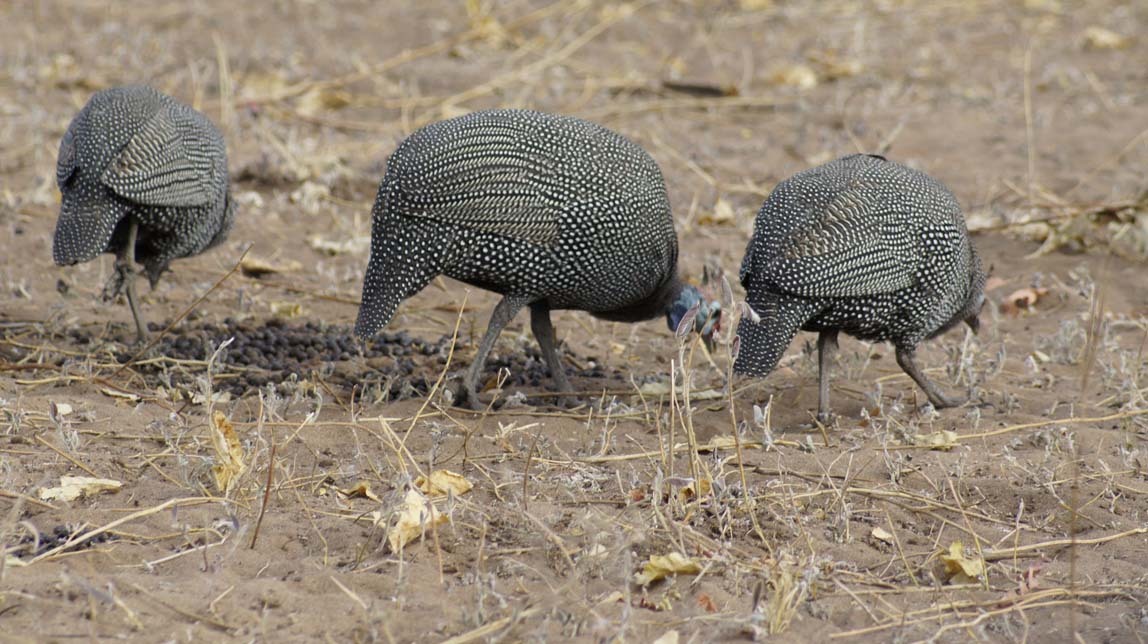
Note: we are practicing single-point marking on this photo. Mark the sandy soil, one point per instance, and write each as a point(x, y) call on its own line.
point(1029, 110)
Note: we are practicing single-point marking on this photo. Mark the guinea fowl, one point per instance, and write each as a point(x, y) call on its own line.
point(864, 246)
point(552, 212)
point(145, 177)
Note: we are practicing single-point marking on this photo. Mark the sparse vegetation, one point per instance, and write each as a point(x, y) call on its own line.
point(272, 489)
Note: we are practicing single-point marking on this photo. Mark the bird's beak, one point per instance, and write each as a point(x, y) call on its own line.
point(974, 322)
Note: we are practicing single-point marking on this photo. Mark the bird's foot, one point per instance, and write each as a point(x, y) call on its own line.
point(466, 394)
point(941, 401)
point(118, 282)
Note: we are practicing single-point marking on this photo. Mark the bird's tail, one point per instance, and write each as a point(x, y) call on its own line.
point(763, 343)
point(404, 259)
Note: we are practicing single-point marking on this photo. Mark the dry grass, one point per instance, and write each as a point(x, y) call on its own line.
point(789, 528)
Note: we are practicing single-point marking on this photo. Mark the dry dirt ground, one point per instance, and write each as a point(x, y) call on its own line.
point(1031, 110)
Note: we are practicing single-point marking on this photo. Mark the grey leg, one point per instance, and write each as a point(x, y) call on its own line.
point(124, 279)
point(507, 308)
point(908, 361)
point(544, 333)
point(826, 347)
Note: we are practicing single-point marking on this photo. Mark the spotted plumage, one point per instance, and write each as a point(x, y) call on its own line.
point(550, 211)
point(145, 177)
point(864, 246)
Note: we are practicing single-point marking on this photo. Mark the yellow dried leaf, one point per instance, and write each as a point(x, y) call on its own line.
point(115, 393)
point(799, 76)
point(354, 245)
point(833, 69)
point(662, 566)
point(959, 568)
point(1022, 299)
point(943, 440)
point(261, 86)
point(694, 489)
point(722, 214)
point(74, 487)
point(413, 518)
point(442, 483)
point(317, 100)
point(669, 637)
point(1100, 38)
point(229, 462)
point(755, 5)
point(360, 491)
point(286, 309)
point(882, 534)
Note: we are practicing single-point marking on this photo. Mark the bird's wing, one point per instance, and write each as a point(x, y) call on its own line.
point(483, 179)
point(171, 161)
point(854, 245)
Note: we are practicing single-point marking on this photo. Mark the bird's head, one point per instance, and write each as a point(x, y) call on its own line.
point(700, 305)
point(975, 296)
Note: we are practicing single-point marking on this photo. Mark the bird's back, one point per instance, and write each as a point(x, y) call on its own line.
point(133, 150)
point(858, 226)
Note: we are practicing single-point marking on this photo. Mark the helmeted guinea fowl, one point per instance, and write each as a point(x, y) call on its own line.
point(864, 246)
point(142, 176)
point(552, 212)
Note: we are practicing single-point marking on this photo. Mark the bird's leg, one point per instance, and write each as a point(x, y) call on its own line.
point(507, 308)
point(826, 347)
point(544, 333)
point(123, 279)
point(908, 360)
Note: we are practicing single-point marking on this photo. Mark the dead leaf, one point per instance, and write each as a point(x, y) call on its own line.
point(755, 5)
point(944, 440)
point(413, 518)
point(669, 637)
point(354, 245)
point(1026, 585)
point(833, 67)
point(724, 442)
point(115, 393)
point(993, 283)
point(318, 99)
point(798, 75)
point(360, 491)
point(959, 568)
point(662, 566)
point(722, 215)
point(882, 534)
point(56, 411)
point(443, 483)
point(263, 86)
point(310, 196)
point(1096, 37)
point(286, 309)
point(74, 487)
point(229, 463)
point(259, 267)
point(1022, 299)
point(707, 603)
point(694, 489)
